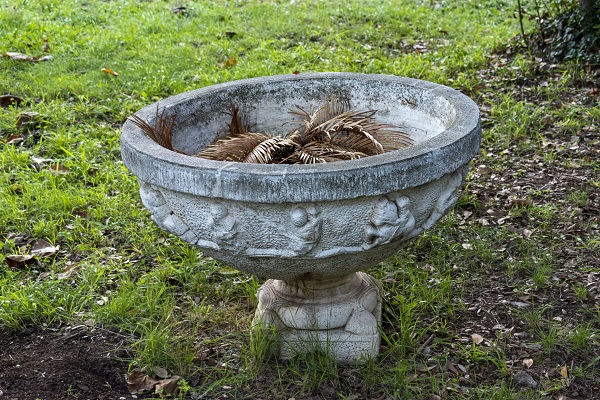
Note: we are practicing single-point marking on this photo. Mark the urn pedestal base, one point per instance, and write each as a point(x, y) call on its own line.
point(340, 316)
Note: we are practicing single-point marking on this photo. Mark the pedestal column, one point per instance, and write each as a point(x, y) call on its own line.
point(339, 316)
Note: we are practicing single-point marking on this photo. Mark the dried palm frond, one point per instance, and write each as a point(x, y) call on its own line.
point(331, 108)
point(161, 132)
point(311, 120)
point(271, 151)
point(239, 124)
point(302, 157)
point(356, 139)
point(329, 132)
point(369, 136)
point(236, 148)
point(315, 153)
point(335, 116)
point(349, 124)
point(390, 137)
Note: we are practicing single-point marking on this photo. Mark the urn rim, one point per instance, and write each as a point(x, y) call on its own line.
point(375, 175)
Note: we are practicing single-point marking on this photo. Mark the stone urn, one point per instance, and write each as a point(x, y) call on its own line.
point(309, 229)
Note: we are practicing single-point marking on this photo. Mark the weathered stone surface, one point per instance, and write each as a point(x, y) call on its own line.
point(306, 226)
point(341, 315)
point(443, 123)
point(316, 240)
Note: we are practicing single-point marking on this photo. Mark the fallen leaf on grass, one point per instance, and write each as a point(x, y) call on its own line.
point(80, 213)
point(230, 62)
point(14, 139)
point(564, 372)
point(20, 238)
point(495, 212)
point(528, 362)
point(17, 56)
point(451, 367)
point(532, 346)
point(483, 221)
point(109, 71)
point(28, 118)
point(477, 338)
point(25, 57)
point(425, 368)
point(160, 372)
point(168, 386)
point(70, 270)
point(19, 260)
point(179, 10)
point(59, 169)
point(43, 248)
point(517, 304)
point(44, 275)
point(39, 162)
point(139, 382)
point(40, 249)
point(484, 170)
point(7, 100)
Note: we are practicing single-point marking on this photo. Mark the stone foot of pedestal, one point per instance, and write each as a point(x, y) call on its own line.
point(339, 317)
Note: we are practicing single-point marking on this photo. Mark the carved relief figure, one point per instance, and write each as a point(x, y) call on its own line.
point(222, 224)
point(307, 226)
point(389, 220)
point(446, 200)
point(162, 214)
point(154, 201)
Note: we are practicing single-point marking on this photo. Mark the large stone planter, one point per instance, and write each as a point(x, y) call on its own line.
point(309, 228)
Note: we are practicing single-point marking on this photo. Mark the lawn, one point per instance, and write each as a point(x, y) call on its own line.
point(500, 300)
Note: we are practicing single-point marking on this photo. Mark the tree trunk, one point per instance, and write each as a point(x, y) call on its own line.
point(587, 5)
point(591, 12)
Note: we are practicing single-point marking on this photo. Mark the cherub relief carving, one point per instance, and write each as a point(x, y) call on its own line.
point(389, 220)
point(223, 225)
point(446, 199)
point(307, 226)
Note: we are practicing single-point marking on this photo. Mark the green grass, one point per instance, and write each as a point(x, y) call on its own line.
point(190, 314)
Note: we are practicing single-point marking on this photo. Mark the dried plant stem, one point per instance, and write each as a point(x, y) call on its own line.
point(161, 132)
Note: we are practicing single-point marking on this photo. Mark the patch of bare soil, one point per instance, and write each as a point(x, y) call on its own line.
point(550, 173)
point(73, 363)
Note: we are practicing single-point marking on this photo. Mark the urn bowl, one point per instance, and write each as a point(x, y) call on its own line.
point(305, 222)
